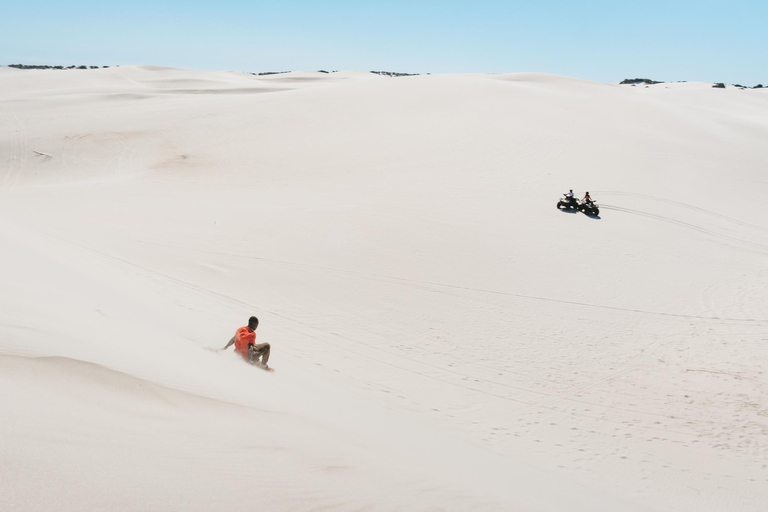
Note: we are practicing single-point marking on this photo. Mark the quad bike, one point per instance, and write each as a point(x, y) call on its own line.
point(589, 208)
point(568, 203)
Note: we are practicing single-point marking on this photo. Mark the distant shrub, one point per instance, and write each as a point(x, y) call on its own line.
point(758, 86)
point(43, 66)
point(633, 81)
point(392, 73)
point(719, 85)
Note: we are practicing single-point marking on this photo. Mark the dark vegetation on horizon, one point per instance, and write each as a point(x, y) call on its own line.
point(270, 73)
point(265, 73)
point(35, 66)
point(635, 81)
point(647, 81)
point(391, 73)
point(383, 73)
point(627, 81)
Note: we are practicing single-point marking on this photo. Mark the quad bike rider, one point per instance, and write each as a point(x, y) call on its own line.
point(569, 202)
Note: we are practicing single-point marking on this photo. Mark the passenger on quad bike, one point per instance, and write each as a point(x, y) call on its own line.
point(588, 206)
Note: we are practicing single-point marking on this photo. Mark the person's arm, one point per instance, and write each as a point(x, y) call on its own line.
point(230, 343)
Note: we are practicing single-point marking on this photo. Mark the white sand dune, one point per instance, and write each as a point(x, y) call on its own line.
point(444, 337)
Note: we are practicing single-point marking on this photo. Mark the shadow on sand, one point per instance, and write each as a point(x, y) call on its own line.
point(575, 212)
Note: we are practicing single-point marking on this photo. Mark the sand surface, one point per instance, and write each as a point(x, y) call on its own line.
point(444, 338)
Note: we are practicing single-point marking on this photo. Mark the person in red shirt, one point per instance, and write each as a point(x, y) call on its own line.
point(246, 346)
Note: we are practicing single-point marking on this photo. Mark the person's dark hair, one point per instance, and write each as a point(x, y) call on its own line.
point(253, 322)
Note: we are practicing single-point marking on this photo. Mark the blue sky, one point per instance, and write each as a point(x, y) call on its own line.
point(606, 41)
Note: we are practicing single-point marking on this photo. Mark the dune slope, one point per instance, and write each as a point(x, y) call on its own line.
point(444, 337)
